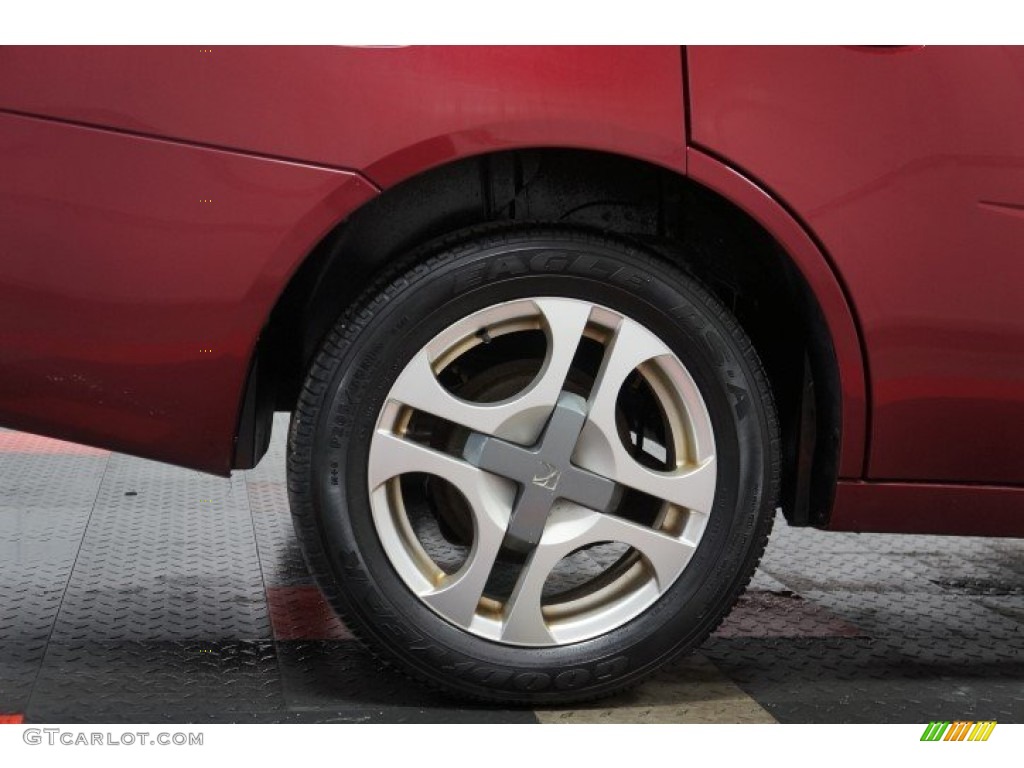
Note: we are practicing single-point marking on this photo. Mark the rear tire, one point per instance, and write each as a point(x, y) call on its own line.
point(627, 540)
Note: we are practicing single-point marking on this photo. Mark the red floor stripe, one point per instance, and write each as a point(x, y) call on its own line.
point(22, 442)
point(11, 719)
point(300, 613)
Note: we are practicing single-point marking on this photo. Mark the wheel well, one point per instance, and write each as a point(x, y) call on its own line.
point(690, 225)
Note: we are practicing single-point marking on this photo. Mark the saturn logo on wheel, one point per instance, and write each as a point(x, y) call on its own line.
point(547, 476)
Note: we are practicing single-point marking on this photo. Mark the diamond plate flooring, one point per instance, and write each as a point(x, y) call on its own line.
point(131, 591)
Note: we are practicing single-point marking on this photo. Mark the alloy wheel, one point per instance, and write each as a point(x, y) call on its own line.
point(542, 471)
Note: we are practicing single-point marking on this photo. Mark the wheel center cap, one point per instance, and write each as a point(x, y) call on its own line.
point(544, 471)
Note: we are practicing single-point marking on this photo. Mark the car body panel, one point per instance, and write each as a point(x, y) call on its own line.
point(718, 176)
point(135, 276)
point(204, 183)
point(941, 508)
point(388, 112)
point(908, 166)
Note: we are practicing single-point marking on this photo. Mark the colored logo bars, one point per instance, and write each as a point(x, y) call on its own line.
point(958, 731)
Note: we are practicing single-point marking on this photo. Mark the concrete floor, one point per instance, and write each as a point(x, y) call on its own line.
point(137, 592)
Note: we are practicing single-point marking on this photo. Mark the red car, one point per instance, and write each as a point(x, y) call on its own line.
point(560, 328)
